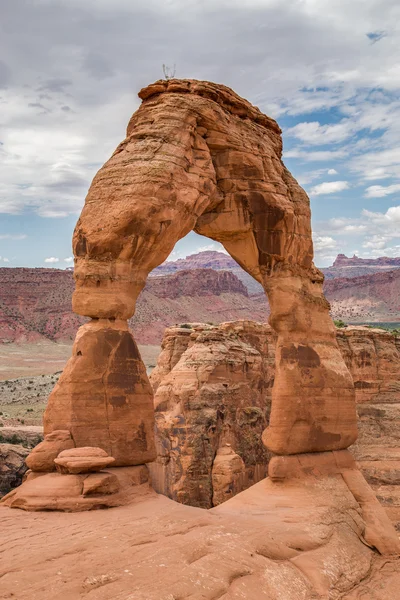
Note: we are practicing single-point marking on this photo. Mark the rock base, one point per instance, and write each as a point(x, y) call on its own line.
point(378, 532)
point(79, 492)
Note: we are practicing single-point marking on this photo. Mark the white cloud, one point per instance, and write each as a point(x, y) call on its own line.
point(323, 243)
point(389, 218)
point(329, 187)
point(379, 191)
point(6, 260)
point(11, 236)
point(318, 155)
point(51, 259)
point(309, 176)
point(215, 246)
point(70, 259)
point(313, 133)
point(332, 172)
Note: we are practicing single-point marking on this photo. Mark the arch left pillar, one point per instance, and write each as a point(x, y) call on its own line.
point(142, 201)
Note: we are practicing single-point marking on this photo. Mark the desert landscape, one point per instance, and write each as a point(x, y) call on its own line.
point(198, 441)
point(199, 300)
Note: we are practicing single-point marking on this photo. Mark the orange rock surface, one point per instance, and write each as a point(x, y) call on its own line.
point(213, 386)
point(104, 397)
point(299, 539)
point(197, 156)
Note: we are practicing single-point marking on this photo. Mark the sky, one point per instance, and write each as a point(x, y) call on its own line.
point(328, 71)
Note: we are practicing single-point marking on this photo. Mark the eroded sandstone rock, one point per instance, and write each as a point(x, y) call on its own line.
point(103, 396)
point(75, 492)
point(371, 355)
point(197, 156)
point(211, 387)
point(41, 459)
point(82, 460)
point(227, 472)
point(12, 466)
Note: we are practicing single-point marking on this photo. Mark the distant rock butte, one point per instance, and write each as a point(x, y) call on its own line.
point(344, 261)
point(208, 259)
point(344, 266)
point(374, 297)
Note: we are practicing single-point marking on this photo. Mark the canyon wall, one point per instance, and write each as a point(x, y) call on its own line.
point(35, 304)
point(212, 398)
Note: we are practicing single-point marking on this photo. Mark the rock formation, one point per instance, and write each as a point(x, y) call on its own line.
point(201, 405)
point(366, 298)
point(38, 305)
point(197, 156)
point(12, 466)
point(212, 388)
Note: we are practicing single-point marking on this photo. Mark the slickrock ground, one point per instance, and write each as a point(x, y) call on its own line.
point(298, 540)
point(213, 387)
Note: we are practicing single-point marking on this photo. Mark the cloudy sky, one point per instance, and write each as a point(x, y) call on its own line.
point(327, 70)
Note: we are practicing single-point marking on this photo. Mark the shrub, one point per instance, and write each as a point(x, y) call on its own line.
point(339, 323)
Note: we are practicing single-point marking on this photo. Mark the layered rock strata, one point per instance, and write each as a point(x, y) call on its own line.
point(213, 386)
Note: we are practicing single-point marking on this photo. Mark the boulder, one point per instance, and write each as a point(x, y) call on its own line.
point(228, 468)
point(41, 459)
point(82, 460)
point(12, 466)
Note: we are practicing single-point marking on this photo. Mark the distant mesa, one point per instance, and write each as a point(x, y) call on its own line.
point(343, 260)
point(36, 303)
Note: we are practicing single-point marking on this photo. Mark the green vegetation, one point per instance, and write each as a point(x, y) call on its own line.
point(393, 328)
point(339, 323)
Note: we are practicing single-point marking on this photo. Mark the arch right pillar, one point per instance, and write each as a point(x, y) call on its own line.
point(313, 403)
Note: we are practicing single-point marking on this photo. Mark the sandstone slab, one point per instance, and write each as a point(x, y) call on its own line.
point(79, 492)
point(291, 540)
point(83, 460)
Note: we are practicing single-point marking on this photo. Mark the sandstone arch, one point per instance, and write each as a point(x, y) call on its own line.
point(197, 156)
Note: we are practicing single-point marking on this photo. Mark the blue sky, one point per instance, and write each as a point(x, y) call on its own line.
point(329, 72)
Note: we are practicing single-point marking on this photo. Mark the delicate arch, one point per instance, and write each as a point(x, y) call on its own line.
point(199, 157)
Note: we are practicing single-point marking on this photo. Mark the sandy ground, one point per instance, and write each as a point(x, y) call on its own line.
point(44, 358)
